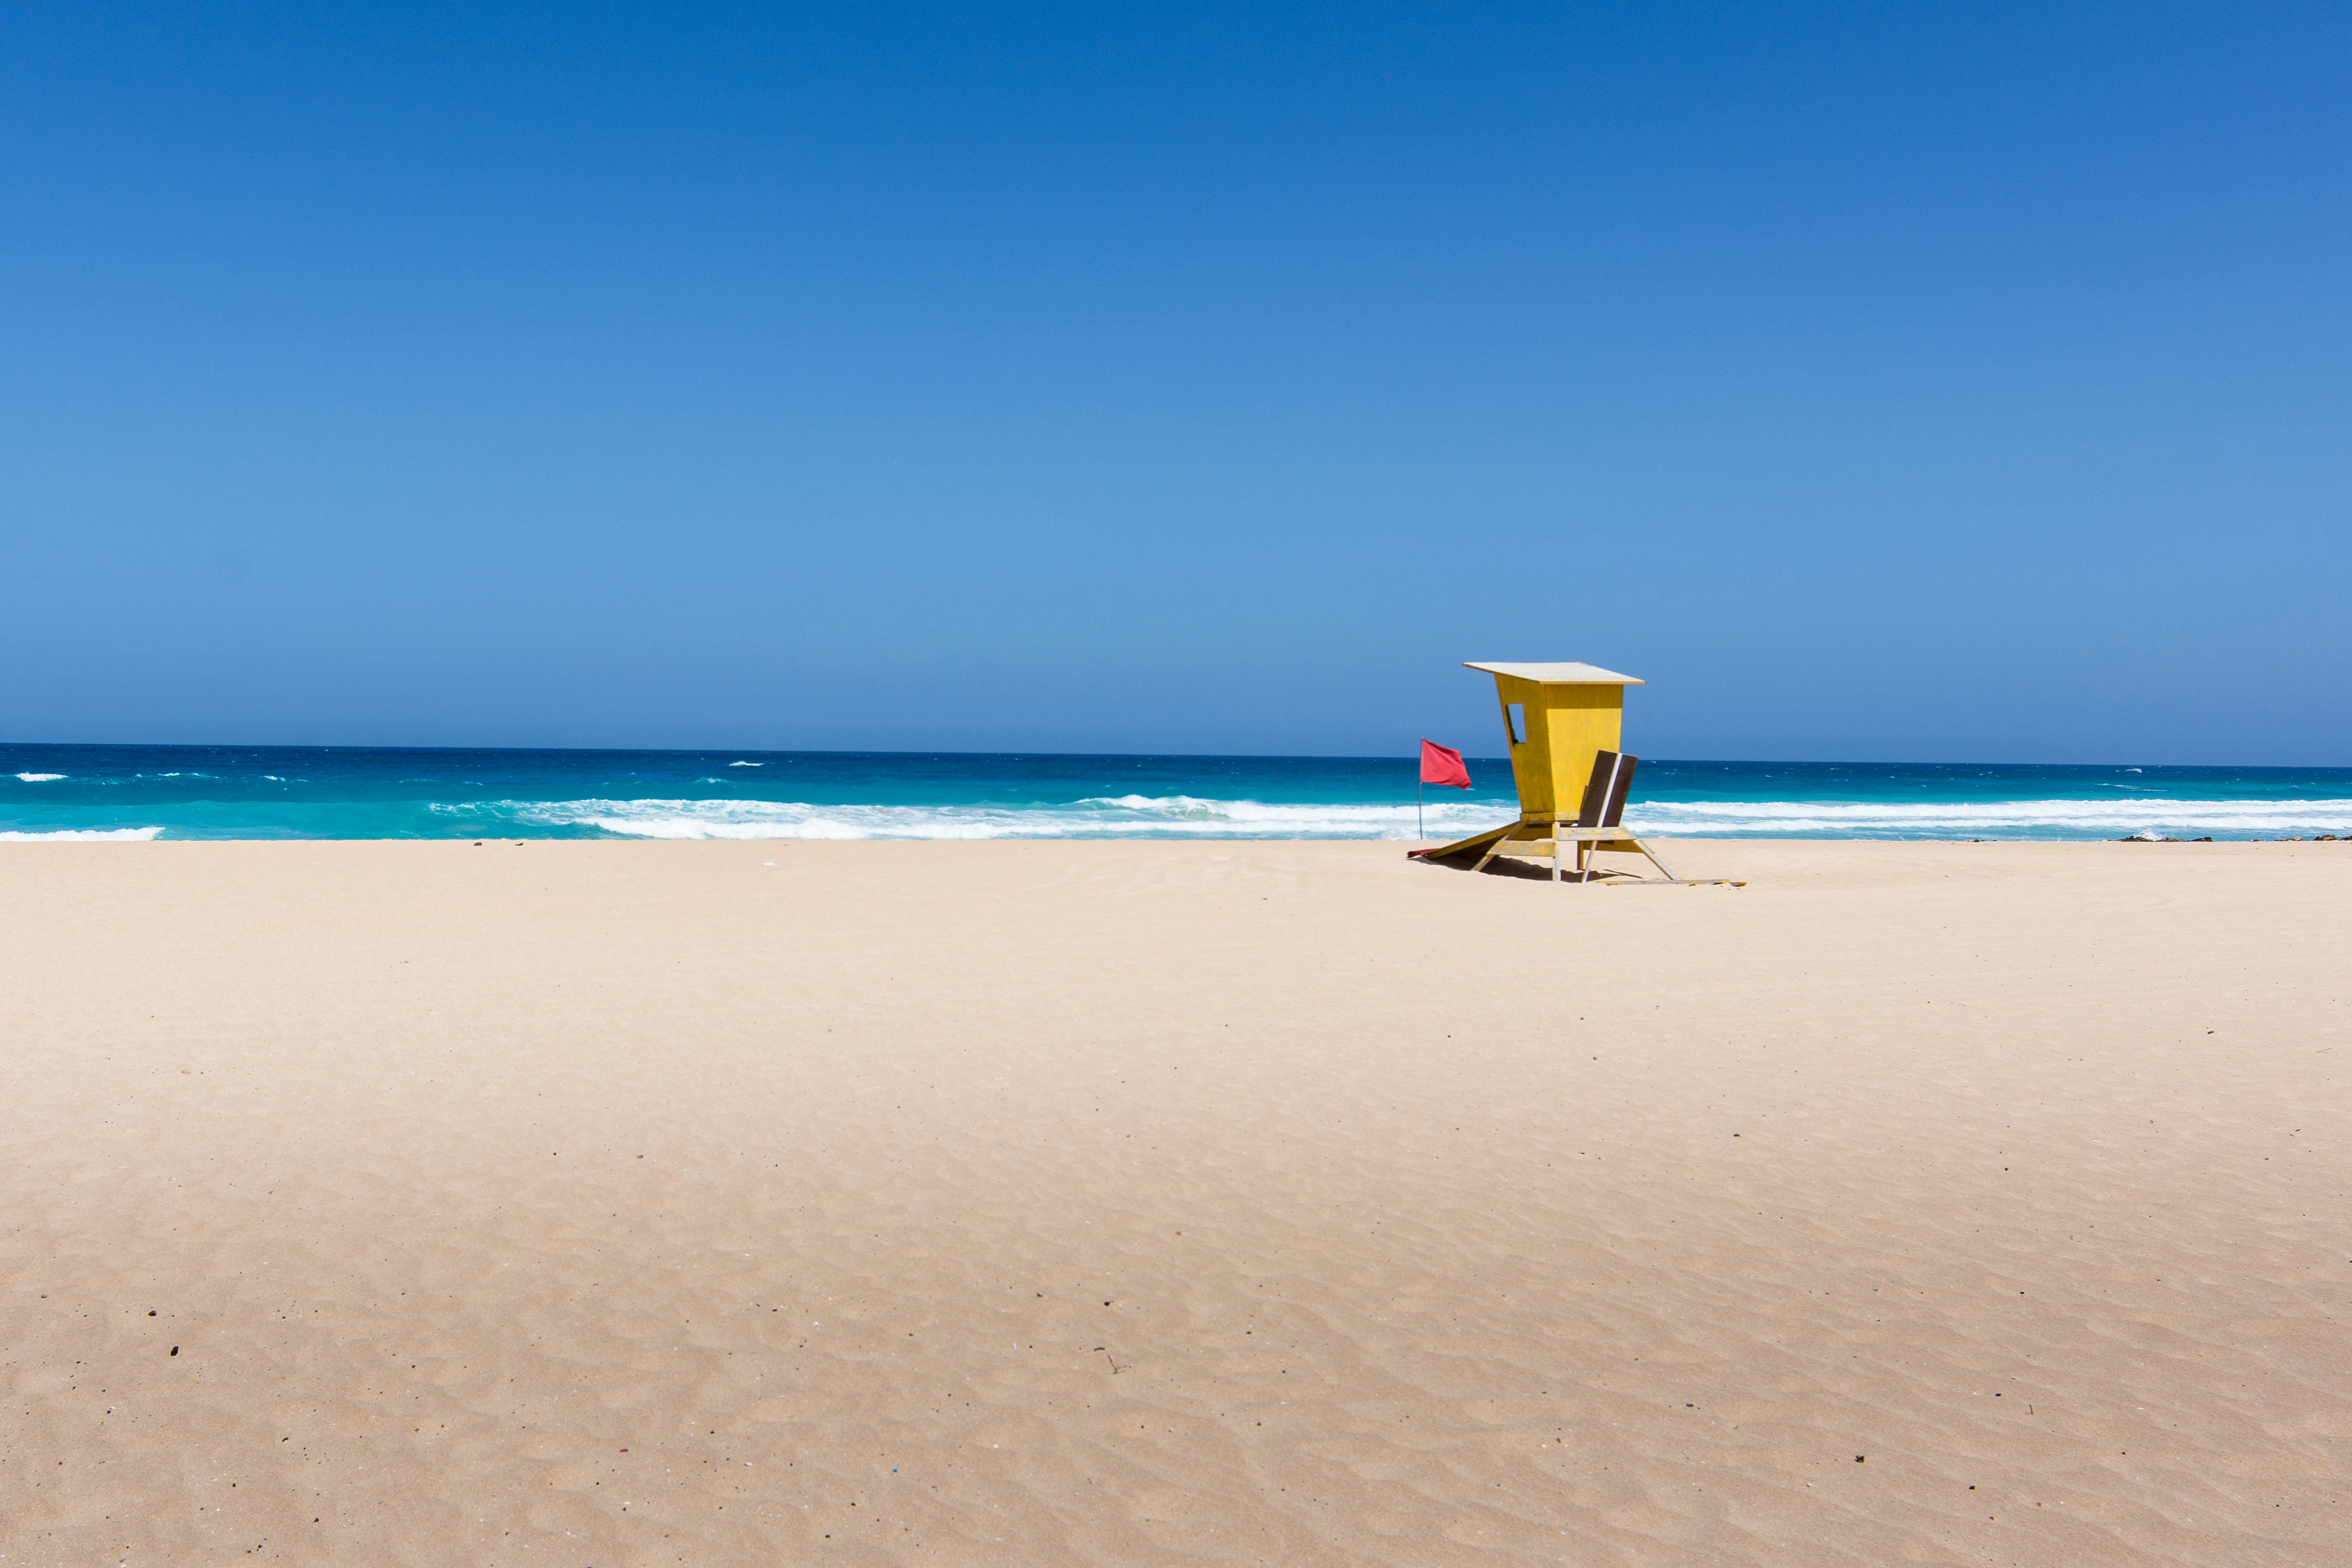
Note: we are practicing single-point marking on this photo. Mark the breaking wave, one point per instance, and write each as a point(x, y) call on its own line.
point(1198, 816)
point(1992, 819)
point(1123, 817)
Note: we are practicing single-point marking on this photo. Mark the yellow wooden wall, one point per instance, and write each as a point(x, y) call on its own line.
point(1566, 727)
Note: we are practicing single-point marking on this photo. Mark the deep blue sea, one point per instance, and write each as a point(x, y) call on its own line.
point(252, 791)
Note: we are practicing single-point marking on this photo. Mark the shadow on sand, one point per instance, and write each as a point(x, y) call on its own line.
point(1524, 870)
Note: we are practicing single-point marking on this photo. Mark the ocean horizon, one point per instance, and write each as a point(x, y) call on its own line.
point(98, 792)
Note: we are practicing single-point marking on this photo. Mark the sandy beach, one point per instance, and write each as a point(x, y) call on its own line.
point(616, 1203)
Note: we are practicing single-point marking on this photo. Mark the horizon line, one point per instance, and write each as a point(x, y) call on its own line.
point(1198, 757)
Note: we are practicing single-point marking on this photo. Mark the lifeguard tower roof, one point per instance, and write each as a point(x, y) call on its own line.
point(1561, 674)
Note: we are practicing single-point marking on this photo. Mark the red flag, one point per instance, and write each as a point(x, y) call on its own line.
point(1443, 765)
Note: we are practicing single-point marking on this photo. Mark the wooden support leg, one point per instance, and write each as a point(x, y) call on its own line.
point(1661, 865)
point(1492, 850)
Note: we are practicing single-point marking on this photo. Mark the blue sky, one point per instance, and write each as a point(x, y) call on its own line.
point(1888, 382)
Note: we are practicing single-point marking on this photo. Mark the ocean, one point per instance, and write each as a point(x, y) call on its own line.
point(264, 792)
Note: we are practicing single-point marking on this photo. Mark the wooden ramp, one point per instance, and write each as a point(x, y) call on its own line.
point(1476, 841)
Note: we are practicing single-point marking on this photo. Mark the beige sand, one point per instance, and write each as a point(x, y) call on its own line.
point(1027, 1204)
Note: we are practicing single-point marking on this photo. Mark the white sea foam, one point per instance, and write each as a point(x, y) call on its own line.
point(85, 834)
point(747, 764)
point(40, 778)
point(1126, 816)
point(2004, 818)
point(1194, 816)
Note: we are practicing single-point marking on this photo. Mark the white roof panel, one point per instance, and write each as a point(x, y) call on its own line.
point(1561, 674)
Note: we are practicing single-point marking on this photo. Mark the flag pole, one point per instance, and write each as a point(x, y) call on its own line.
point(1419, 832)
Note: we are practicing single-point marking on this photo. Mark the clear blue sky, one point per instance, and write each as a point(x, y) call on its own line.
point(1886, 381)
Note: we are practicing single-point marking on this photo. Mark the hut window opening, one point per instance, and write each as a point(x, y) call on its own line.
point(1514, 719)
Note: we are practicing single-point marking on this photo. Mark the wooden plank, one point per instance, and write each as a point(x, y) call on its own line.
point(1462, 846)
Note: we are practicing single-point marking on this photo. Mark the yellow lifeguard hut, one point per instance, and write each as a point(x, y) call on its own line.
point(1557, 717)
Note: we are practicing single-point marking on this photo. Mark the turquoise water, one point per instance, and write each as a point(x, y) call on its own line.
point(217, 792)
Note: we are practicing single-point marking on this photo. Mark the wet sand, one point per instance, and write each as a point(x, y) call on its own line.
point(625, 1203)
